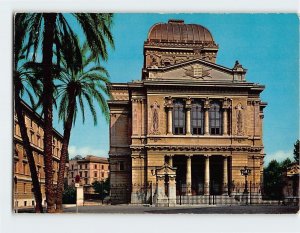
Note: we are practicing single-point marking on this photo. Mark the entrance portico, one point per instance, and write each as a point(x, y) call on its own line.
point(200, 174)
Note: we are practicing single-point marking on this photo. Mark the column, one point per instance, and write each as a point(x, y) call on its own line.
point(206, 176)
point(172, 190)
point(169, 120)
point(206, 116)
point(170, 160)
point(189, 175)
point(161, 187)
point(225, 127)
point(169, 107)
point(225, 107)
point(188, 106)
point(225, 176)
point(188, 121)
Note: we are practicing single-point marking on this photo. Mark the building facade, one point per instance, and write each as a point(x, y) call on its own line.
point(291, 181)
point(23, 194)
point(188, 126)
point(90, 169)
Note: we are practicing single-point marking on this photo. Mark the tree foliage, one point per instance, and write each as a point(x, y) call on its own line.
point(273, 178)
point(69, 195)
point(102, 188)
point(53, 37)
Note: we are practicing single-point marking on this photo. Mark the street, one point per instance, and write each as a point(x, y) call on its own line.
point(131, 209)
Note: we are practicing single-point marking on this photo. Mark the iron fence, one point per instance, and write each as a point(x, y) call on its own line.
point(227, 194)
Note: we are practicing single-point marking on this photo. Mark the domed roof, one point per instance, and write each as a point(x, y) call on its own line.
point(177, 31)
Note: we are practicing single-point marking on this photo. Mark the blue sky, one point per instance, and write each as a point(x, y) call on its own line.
point(266, 44)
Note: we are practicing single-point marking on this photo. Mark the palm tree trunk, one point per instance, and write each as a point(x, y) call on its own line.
point(34, 177)
point(48, 35)
point(64, 153)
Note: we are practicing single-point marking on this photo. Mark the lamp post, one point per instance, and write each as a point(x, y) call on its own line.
point(77, 184)
point(245, 172)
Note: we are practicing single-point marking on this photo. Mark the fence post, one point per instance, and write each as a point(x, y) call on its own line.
point(250, 192)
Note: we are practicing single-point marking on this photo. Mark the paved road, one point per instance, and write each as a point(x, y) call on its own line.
point(130, 209)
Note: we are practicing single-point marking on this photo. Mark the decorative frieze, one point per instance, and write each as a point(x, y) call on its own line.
point(239, 111)
point(155, 107)
point(198, 148)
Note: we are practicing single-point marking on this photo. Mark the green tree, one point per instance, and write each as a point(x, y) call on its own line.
point(69, 195)
point(102, 187)
point(24, 82)
point(285, 164)
point(86, 85)
point(296, 151)
point(52, 32)
point(273, 178)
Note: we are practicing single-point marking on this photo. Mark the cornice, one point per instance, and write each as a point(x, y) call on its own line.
point(118, 102)
point(189, 62)
point(202, 83)
point(201, 148)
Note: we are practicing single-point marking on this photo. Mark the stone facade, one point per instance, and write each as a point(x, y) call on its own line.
point(291, 181)
point(187, 115)
point(23, 190)
point(90, 169)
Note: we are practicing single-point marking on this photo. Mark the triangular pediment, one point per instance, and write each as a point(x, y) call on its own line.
point(197, 69)
point(166, 170)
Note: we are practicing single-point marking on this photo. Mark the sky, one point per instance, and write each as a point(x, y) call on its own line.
point(266, 44)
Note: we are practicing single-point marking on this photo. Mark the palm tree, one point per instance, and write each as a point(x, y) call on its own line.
point(88, 84)
point(54, 33)
point(24, 81)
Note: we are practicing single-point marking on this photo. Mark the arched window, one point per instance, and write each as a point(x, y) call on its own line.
point(178, 117)
point(197, 120)
point(215, 118)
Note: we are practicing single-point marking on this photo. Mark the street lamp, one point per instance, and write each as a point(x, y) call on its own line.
point(245, 172)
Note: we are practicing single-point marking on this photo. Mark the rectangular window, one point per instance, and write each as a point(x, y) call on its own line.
point(32, 138)
point(102, 174)
point(215, 119)
point(24, 169)
point(102, 167)
point(95, 166)
point(122, 167)
point(178, 118)
point(80, 174)
point(95, 174)
point(38, 141)
point(86, 166)
point(72, 174)
point(80, 166)
point(24, 187)
point(197, 120)
point(72, 167)
point(85, 174)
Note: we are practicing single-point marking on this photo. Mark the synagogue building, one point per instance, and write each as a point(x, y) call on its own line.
point(188, 127)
